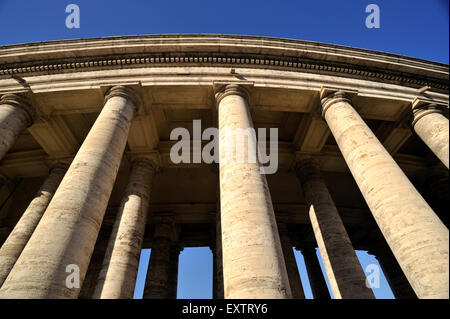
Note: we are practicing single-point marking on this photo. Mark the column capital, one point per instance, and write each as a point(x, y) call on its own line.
point(330, 96)
point(126, 91)
point(22, 101)
point(59, 163)
point(422, 107)
point(143, 160)
point(223, 89)
point(59, 166)
point(152, 158)
point(165, 227)
point(307, 169)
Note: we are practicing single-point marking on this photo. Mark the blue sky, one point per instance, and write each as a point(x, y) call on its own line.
point(413, 28)
point(196, 266)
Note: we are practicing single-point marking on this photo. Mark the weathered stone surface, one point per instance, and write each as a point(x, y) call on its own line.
point(117, 278)
point(416, 236)
point(68, 230)
point(177, 76)
point(158, 273)
point(315, 275)
point(295, 281)
point(431, 125)
point(345, 274)
point(16, 114)
point(253, 262)
point(18, 238)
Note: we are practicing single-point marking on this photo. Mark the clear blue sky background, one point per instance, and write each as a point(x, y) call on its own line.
point(417, 28)
point(414, 28)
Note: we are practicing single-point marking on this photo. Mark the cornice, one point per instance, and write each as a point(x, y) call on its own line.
point(208, 50)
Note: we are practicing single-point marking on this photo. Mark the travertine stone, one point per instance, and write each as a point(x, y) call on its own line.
point(345, 274)
point(431, 125)
point(95, 264)
point(68, 230)
point(416, 236)
point(291, 264)
point(16, 114)
point(158, 274)
point(316, 280)
point(117, 278)
point(218, 266)
point(253, 262)
point(18, 238)
point(172, 282)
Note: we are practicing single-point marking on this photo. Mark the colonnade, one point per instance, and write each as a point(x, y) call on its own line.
point(253, 255)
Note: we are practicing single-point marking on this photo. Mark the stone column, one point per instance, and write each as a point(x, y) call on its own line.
point(253, 262)
point(291, 264)
point(18, 238)
point(95, 264)
point(394, 275)
point(345, 274)
point(172, 282)
point(316, 280)
point(214, 274)
point(66, 234)
point(416, 236)
point(16, 114)
point(431, 125)
point(218, 292)
point(157, 280)
point(117, 278)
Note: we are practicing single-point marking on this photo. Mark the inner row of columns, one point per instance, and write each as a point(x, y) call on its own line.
point(254, 262)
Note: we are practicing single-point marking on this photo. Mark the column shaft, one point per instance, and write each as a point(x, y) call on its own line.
point(16, 114)
point(345, 274)
point(18, 238)
point(253, 262)
point(291, 266)
point(316, 280)
point(117, 278)
point(218, 292)
point(172, 282)
point(416, 236)
point(66, 234)
point(95, 264)
point(157, 280)
point(431, 126)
